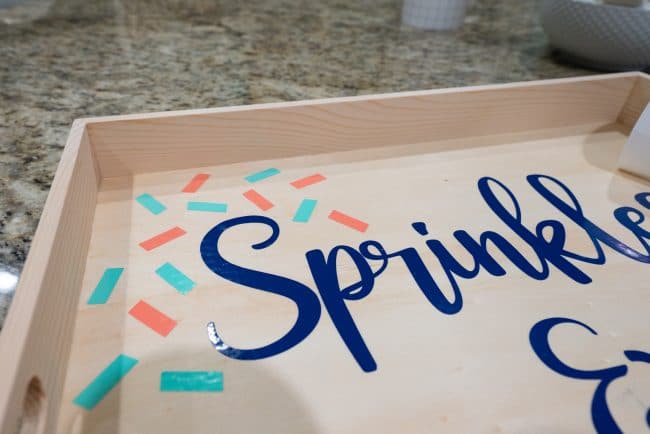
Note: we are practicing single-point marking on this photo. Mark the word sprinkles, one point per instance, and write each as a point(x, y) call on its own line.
point(547, 240)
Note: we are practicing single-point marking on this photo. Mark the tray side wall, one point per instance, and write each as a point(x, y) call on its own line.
point(142, 143)
point(637, 102)
point(36, 339)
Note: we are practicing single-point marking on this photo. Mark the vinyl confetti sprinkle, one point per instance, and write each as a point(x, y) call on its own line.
point(152, 318)
point(175, 278)
point(105, 381)
point(305, 210)
point(207, 206)
point(196, 183)
point(105, 286)
point(162, 238)
point(348, 221)
point(259, 176)
point(191, 381)
point(258, 200)
point(150, 203)
point(307, 181)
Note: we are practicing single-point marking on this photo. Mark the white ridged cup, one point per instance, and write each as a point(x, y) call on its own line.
point(434, 14)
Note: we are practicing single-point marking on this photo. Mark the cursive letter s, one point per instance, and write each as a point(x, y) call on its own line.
point(305, 299)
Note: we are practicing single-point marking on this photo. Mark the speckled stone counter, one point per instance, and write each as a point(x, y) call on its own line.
point(63, 59)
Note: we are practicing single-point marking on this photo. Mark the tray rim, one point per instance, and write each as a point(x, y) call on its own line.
point(366, 97)
point(62, 237)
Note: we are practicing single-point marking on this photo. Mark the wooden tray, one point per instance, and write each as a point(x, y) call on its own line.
point(547, 339)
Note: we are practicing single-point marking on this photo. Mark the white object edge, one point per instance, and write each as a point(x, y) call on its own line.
point(635, 157)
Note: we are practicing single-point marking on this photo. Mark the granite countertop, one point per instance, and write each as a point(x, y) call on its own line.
point(63, 59)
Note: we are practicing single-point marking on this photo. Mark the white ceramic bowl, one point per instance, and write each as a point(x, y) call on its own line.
point(599, 35)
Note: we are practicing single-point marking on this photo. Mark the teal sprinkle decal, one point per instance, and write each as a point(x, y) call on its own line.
point(191, 381)
point(207, 206)
point(149, 202)
point(175, 278)
point(105, 382)
point(105, 286)
point(258, 176)
point(305, 210)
